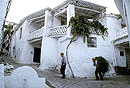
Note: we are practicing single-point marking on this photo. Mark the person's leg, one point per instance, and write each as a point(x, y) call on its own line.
point(64, 71)
point(101, 75)
point(61, 69)
point(96, 74)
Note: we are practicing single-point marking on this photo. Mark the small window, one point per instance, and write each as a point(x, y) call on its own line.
point(92, 42)
point(125, 10)
point(121, 53)
point(20, 33)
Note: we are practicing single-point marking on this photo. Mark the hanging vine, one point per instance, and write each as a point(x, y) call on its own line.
point(81, 26)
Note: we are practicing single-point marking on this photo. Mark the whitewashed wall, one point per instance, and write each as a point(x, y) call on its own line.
point(27, 51)
point(80, 56)
point(23, 50)
point(49, 53)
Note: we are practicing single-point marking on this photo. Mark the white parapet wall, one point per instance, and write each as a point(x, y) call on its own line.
point(1, 76)
point(24, 77)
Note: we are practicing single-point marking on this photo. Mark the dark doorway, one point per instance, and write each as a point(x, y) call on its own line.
point(37, 54)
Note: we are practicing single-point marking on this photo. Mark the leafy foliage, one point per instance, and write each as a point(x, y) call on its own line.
point(7, 31)
point(119, 16)
point(81, 26)
point(6, 37)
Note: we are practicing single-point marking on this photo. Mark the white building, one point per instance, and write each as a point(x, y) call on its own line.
point(43, 35)
point(123, 7)
point(3, 6)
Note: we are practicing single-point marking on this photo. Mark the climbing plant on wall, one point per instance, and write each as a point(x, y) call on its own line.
point(81, 26)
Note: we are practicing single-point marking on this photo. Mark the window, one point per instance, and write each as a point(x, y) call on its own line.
point(92, 42)
point(121, 53)
point(125, 10)
point(20, 33)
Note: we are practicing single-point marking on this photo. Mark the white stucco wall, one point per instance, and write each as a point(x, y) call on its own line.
point(80, 56)
point(49, 53)
point(28, 49)
point(23, 50)
point(3, 5)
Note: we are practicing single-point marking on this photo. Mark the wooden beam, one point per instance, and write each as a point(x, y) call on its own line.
point(87, 9)
point(61, 12)
point(85, 15)
point(36, 18)
point(39, 21)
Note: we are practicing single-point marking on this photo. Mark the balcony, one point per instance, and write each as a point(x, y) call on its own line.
point(58, 31)
point(121, 33)
point(53, 32)
point(121, 36)
point(35, 36)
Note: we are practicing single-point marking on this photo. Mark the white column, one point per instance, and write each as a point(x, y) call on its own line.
point(48, 19)
point(70, 13)
point(49, 45)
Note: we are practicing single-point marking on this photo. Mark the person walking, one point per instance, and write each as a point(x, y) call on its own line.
point(98, 70)
point(102, 66)
point(63, 65)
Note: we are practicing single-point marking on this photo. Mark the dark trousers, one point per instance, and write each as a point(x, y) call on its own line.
point(63, 70)
point(98, 72)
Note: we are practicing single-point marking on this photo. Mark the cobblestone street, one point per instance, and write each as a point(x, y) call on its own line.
point(54, 80)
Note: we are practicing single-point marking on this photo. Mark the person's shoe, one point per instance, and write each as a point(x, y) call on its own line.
point(97, 79)
point(63, 77)
point(101, 78)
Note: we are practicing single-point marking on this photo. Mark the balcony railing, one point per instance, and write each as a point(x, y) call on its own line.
point(36, 34)
point(58, 31)
point(121, 33)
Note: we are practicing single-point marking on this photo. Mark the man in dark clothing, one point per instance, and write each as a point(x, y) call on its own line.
point(63, 65)
point(98, 64)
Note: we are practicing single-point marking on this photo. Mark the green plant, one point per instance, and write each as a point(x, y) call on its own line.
point(81, 26)
point(6, 36)
point(118, 16)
